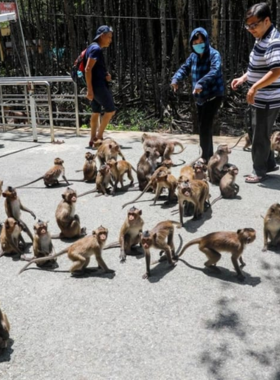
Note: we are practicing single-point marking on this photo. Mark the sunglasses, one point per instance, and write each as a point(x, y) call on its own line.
point(252, 26)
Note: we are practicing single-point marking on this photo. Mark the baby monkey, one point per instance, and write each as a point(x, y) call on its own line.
point(157, 238)
point(271, 227)
point(50, 178)
point(234, 242)
point(81, 251)
point(229, 189)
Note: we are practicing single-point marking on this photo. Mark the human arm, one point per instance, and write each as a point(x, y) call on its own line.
point(270, 77)
point(236, 82)
point(181, 74)
point(88, 75)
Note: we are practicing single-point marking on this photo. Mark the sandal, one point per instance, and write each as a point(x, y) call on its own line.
point(253, 178)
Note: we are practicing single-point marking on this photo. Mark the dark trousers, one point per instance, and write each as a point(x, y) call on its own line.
point(262, 123)
point(206, 114)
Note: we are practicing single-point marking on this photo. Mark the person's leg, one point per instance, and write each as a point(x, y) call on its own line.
point(206, 114)
point(104, 122)
point(262, 156)
point(94, 125)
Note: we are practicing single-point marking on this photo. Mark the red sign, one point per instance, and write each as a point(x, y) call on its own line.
point(8, 8)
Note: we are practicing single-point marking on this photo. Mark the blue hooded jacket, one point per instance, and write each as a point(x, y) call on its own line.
point(206, 71)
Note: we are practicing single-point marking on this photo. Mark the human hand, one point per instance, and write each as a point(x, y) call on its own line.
point(236, 83)
point(174, 86)
point(250, 97)
point(197, 90)
point(90, 95)
point(108, 77)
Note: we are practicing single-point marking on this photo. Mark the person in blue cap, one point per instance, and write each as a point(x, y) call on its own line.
point(205, 66)
point(97, 78)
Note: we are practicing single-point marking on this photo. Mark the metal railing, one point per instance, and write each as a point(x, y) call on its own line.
point(31, 102)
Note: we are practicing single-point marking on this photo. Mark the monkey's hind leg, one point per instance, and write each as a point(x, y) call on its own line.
point(79, 265)
point(213, 257)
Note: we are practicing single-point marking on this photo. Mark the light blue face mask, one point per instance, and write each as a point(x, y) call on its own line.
point(199, 48)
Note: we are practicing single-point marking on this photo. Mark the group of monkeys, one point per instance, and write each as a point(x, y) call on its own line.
point(153, 175)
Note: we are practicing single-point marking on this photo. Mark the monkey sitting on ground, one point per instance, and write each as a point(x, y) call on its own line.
point(42, 243)
point(229, 189)
point(10, 238)
point(271, 227)
point(107, 150)
point(168, 181)
point(118, 170)
point(103, 179)
point(67, 220)
point(50, 178)
point(147, 166)
point(217, 162)
point(13, 207)
point(195, 191)
point(157, 238)
point(89, 169)
point(4, 330)
point(233, 242)
point(130, 233)
point(275, 142)
point(81, 251)
point(164, 146)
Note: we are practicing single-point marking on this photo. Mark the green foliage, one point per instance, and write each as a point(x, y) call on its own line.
point(134, 120)
point(85, 126)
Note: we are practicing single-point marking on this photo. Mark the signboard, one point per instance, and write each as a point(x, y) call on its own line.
point(8, 7)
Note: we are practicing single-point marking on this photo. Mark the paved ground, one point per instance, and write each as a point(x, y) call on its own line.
point(181, 324)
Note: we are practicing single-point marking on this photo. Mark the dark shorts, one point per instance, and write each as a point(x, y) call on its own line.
point(102, 98)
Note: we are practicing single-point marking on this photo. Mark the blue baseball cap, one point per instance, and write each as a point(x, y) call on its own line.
point(101, 30)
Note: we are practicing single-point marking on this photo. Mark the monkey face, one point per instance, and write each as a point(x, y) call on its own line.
point(146, 243)
point(41, 228)
point(248, 235)
point(89, 156)
point(10, 192)
point(58, 161)
point(11, 225)
point(273, 211)
point(101, 233)
point(70, 195)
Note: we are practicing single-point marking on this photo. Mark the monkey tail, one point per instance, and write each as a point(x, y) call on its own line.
point(43, 259)
point(240, 138)
point(116, 244)
point(139, 196)
point(216, 200)
point(181, 146)
point(182, 163)
point(192, 242)
point(87, 192)
point(133, 169)
point(29, 183)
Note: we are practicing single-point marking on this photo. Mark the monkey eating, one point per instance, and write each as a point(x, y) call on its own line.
point(217, 162)
point(271, 227)
point(229, 189)
point(50, 178)
point(80, 252)
point(157, 238)
point(130, 233)
point(234, 242)
point(67, 220)
point(13, 206)
point(4, 330)
point(10, 238)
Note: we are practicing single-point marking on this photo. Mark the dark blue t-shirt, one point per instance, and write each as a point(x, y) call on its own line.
point(99, 70)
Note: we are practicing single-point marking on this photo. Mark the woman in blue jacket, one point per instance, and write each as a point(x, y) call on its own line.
point(205, 66)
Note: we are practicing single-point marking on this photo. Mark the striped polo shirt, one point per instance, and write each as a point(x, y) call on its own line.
point(264, 57)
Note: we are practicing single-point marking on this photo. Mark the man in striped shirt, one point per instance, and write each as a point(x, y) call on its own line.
point(263, 76)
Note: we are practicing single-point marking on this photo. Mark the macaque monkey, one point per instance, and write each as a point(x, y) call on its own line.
point(108, 140)
point(13, 206)
point(10, 238)
point(229, 189)
point(217, 162)
point(157, 238)
point(247, 141)
point(275, 142)
point(164, 146)
point(151, 184)
point(89, 169)
point(118, 169)
point(81, 251)
point(130, 233)
point(50, 178)
point(194, 191)
point(42, 243)
point(4, 330)
point(186, 173)
point(146, 167)
point(67, 220)
point(233, 242)
point(103, 179)
point(271, 226)
point(107, 150)
point(165, 180)
point(200, 169)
